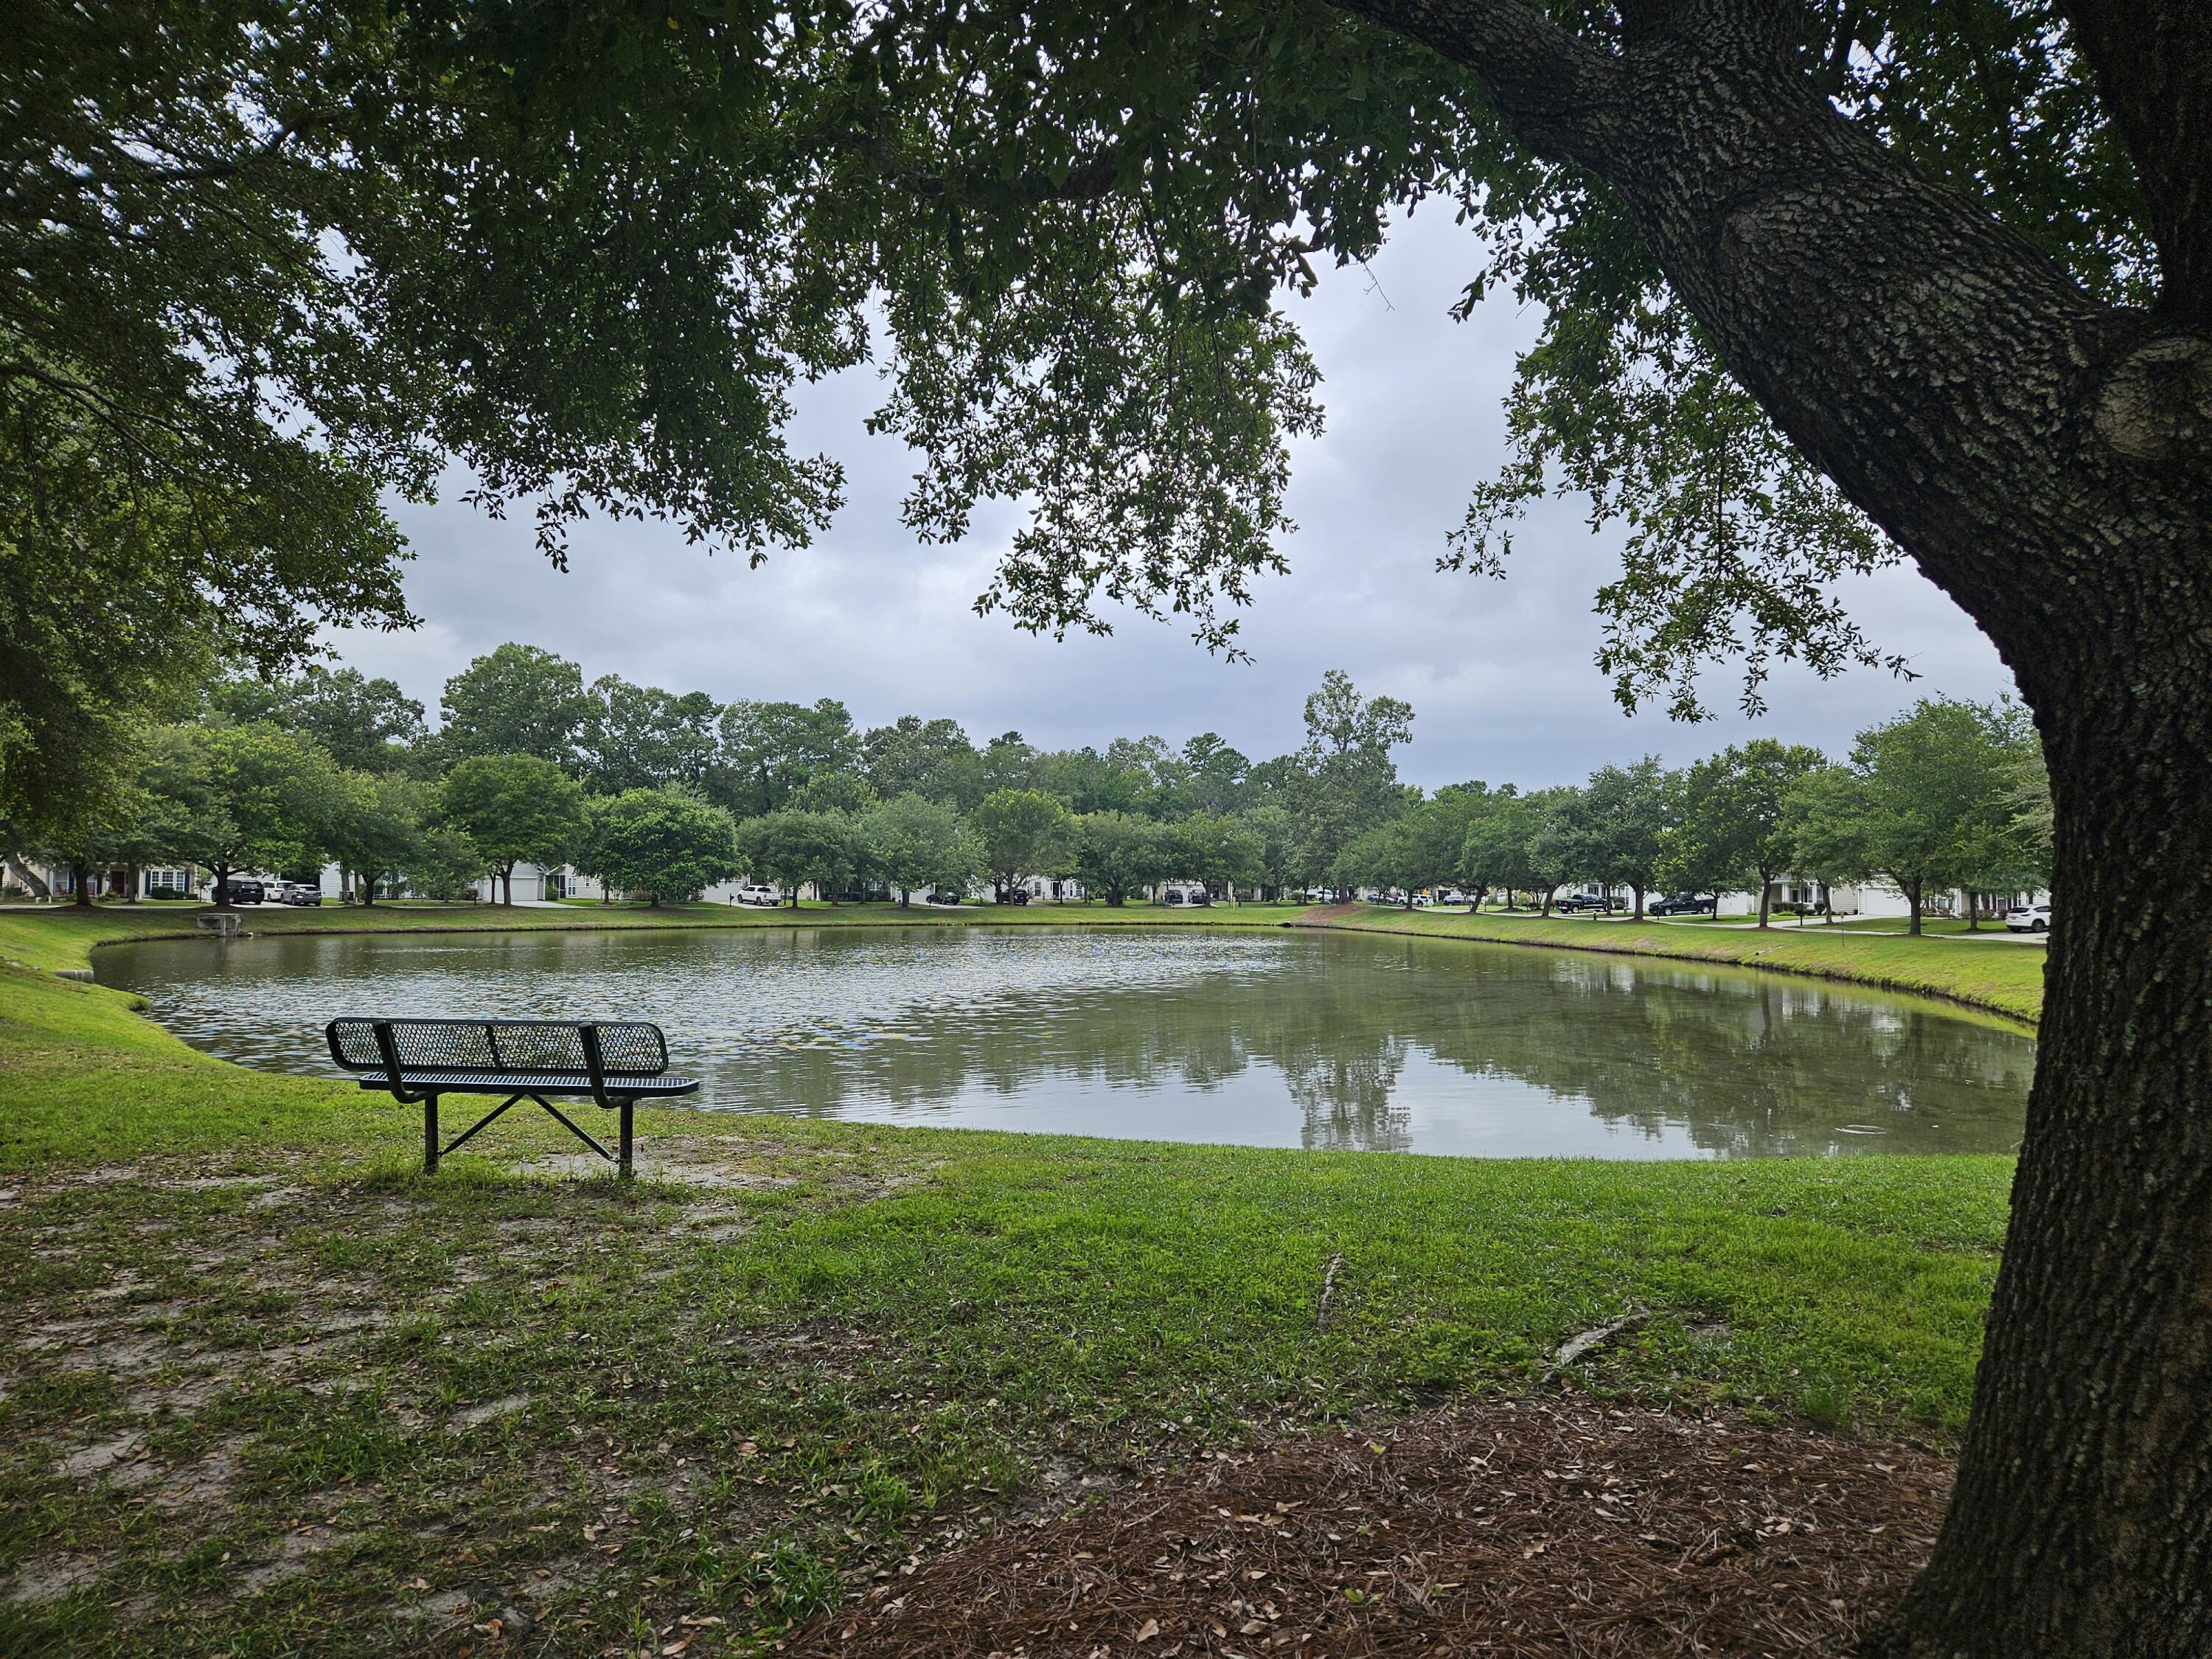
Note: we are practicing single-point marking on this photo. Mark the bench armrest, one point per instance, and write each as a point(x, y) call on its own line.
point(594, 1061)
point(390, 1050)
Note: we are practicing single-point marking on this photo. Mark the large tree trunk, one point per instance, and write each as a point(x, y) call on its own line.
point(2082, 1522)
point(2046, 459)
point(81, 879)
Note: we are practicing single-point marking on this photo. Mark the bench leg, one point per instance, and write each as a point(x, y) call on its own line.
point(429, 1134)
point(627, 1171)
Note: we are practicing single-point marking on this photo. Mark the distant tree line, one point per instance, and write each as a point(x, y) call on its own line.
point(1948, 795)
point(661, 795)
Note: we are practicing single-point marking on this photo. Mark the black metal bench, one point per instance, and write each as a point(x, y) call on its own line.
point(617, 1064)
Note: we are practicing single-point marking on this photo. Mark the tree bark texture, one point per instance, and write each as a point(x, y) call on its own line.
point(2046, 459)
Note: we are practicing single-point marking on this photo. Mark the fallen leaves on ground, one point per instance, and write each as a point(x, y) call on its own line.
point(1541, 1526)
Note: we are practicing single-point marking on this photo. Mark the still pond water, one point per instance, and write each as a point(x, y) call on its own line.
point(1270, 1039)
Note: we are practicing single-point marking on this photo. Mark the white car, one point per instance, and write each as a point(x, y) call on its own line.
point(2029, 919)
point(757, 894)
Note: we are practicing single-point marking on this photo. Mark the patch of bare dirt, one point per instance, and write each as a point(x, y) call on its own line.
point(685, 1163)
point(1515, 1529)
point(294, 1556)
point(816, 1343)
point(122, 1462)
point(205, 1481)
point(505, 1406)
point(50, 1577)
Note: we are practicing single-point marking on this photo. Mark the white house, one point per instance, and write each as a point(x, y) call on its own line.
point(35, 879)
point(1876, 899)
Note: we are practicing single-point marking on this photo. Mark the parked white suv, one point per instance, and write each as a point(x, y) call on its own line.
point(2029, 919)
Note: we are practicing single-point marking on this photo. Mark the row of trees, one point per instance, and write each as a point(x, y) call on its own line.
point(527, 755)
point(335, 766)
point(1948, 795)
point(754, 757)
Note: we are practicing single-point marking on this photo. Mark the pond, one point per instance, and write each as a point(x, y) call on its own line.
point(1270, 1038)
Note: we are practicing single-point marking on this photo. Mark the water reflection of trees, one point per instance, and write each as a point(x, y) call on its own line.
point(1752, 1064)
point(1740, 1064)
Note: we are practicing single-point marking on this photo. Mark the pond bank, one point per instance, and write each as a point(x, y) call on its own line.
point(2003, 980)
point(1317, 1038)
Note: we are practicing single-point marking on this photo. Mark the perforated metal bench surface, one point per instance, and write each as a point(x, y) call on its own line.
point(614, 1063)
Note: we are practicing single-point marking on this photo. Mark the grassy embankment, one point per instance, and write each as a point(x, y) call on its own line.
point(266, 1389)
point(2006, 978)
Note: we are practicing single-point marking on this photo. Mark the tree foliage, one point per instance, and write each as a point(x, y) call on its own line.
point(1347, 776)
point(1927, 803)
point(1734, 833)
point(515, 809)
point(793, 848)
point(930, 758)
point(770, 750)
point(663, 843)
point(516, 700)
point(640, 737)
point(1024, 833)
point(1120, 854)
point(251, 797)
point(364, 724)
point(1621, 824)
point(918, 845)
point(376, 832)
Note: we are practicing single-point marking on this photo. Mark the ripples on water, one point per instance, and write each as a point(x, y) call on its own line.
point(1268, 1039)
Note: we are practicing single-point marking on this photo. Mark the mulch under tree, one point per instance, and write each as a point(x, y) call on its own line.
point(1549, 1526)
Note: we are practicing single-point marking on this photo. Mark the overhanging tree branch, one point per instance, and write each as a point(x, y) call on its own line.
point(1556, 90)
point(2153, 64)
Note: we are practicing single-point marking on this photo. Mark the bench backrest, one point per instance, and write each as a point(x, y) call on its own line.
point(522, 1048)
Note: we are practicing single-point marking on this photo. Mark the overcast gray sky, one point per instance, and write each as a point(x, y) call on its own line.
point(1499, 674)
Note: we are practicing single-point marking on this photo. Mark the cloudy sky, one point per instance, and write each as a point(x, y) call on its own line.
point(1499, 674)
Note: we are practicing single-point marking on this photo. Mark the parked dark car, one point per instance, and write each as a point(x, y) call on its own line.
point(245, 892)
point(1680, 904)
point(1574, 902)
point(300, 892)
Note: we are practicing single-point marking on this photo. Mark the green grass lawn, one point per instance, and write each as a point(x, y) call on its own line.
point(1941, 927)
point(2003, 977)
point(266, 1389)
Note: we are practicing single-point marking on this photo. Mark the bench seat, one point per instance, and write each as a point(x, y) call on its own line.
point(550, 1083)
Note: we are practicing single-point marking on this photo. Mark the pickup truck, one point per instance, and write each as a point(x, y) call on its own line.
point(1576, 903)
